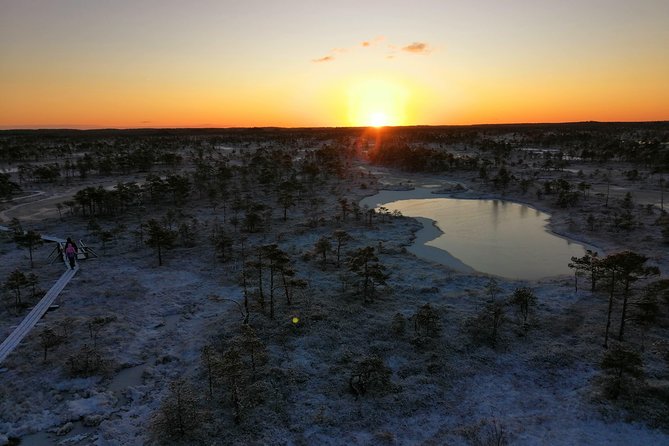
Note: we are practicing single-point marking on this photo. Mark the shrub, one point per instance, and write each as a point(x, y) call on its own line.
point(426, 322)
point(370, 374)
point(179, 415)
point(623, 368)
point(398, 324)
point(85, 362)
point(486, 326)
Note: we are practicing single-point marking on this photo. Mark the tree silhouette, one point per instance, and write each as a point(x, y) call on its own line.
point(584, 187)
point(49, 339)
point(630, 267)
point(7, 187)
point(222, 244)
point(345, 208)
point(341, 237)
point(496, 317)
point(625, 267)
point(619, 363)
point(370, 374)
point(502, 180)
point(15, 282)
point(32, 281)
point(426, 321)
point(156, 187)
point(286, 197)
point(211, 360)
point(259, 264)
point(322, 247)
point(365, 264)
point(96, 324)
point(647, 309)
point(524, 299)
point(609, 266)
point(277, 261)
point(179, 414)
point(179, 186)
point(15, 226)
point(252, 218)
point(241, 365)
point(493, 288)
point(589, 263)
point(159, 237)
point(30, 240)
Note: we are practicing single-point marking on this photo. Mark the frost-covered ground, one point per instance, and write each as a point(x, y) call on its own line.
point(539, 388)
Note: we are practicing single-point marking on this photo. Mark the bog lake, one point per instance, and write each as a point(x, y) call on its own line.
point(490, 236)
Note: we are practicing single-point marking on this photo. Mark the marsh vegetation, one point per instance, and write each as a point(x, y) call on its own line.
point(264, 304)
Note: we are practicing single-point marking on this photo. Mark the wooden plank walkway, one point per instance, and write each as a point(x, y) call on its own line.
point(35, 314)
point(48, 238)
point(29, 322)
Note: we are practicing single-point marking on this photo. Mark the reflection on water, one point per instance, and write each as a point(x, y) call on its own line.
point(494, 236)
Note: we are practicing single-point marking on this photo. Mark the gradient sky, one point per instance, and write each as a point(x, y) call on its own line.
point(167, 63)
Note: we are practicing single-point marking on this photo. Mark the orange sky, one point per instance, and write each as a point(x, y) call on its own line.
point(296, 63)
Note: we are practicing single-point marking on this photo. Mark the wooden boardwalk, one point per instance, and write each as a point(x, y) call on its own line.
point(35, 314)
point(48, 238)
point(29, 322)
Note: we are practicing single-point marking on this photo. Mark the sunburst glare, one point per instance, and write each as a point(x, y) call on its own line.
point(377, 103)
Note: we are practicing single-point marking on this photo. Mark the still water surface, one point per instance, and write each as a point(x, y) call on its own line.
point(490, 236)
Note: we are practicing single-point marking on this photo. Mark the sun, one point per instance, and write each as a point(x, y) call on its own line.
point(378, 119)
point(377, 103)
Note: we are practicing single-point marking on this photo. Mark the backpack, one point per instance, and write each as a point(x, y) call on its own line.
point(70, 251)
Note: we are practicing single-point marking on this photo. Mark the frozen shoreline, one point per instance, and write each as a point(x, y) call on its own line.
point(431, 231)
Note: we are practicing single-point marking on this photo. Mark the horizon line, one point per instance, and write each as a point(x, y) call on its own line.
point(85, 128)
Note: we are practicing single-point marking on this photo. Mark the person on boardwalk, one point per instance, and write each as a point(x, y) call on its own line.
point(71, 252)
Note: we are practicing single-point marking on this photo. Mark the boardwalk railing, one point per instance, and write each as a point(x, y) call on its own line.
point(58, 252)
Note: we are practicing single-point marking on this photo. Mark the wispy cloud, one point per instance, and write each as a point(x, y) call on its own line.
point(374, 41)
point(413, 48)
point(417, 48)
point(324, 59)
